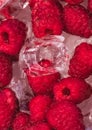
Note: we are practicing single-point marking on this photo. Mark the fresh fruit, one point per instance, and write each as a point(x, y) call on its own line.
point(90, 5)
point(45, 63)
point(38, 107)
point(77, 20)
point(73, 89)
point(21, 121)
point(81, 62)
point(42, 83)
point(46, 17)
point(40, 126)
point(12, 36)
point(8, 108)
point(5, 70)
point(65, 116)
point(74, 2)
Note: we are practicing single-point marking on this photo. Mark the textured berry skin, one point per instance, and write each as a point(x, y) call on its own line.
point(21, 121)
point(65, 116)
point(8, 108)
point(40, 126)
point(45, 63)
point(38, 107)
point(73, 89)
point(5, 70)
point(74, 2)
point(12, 36)
point(81, 62)
point(42, 84)
point(90, 5)
point(46, 17)
point(79, 22)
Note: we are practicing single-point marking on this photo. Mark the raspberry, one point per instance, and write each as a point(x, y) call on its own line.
point(73, 2)
point(12, 36)
point(8, 108)
point(90, 5)
point(65, 116)
point(79, 22)
point(46, 17)
point(21, 121)
point(81, 62)
point(42, 84)
point(38, 107)
point(73, 89)
point(5, 70)
point(34, 2)
point(45, 63)
point(40, 126)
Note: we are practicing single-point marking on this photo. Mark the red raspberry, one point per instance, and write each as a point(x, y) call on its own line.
point(74, 2)
point(81, 62)
point(79, 22)
point(8, 108)
point(21, 122)
point(90, 5)
point(36, 2)
point(72, 89)
point(65, 116)
point(40, 126)
point(5, 70)
point(45, 63)
point(12, 36)
point(38, 107)
point(42, 84)
point(46, 17)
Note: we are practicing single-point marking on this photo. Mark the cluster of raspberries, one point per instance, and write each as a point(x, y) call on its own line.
point(50, 17)
point(54, 105)
point(55, 99)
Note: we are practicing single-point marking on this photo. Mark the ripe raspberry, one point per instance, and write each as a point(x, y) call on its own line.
point(42, 84)
point(74, 2)
point(8, 108)
point(21, 122)
point(65, 116)
point(38, 107)
point(45, 63)
point(90, 5)
point(79, 22)
point(5, 70)
point(12, 36)
point(36, 2)
point(72, 89)
point(81, 62)
point(46, 17)
point(40, 126)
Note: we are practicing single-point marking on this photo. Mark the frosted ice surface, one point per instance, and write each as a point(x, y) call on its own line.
point(90, 128)
point(51, 48)
point(20, 85)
